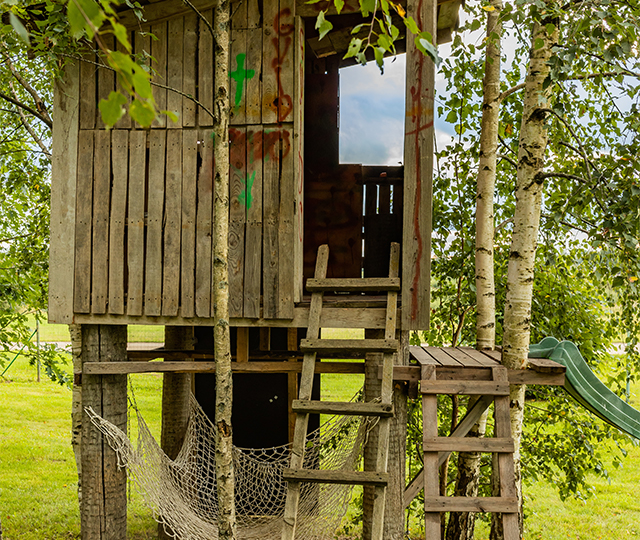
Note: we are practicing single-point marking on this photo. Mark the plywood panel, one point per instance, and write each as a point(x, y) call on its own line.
point(64, 167)
point(119, 162)
point(189, 198)
point(100, 232)
point(418, 174)
point(135, 221)
point(285, 28)
point(205, 70)
point(159, 67)
point(204, 222)
point(175, 31)
point(172, 225)
point(239, 198)
point(155, 207)
point(189, 71)
point(253, 242)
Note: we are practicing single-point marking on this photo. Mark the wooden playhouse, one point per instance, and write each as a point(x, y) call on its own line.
point(131, 243)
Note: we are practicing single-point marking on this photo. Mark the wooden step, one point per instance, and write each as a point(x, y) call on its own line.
point(471, 504)
point(467, 388)
point(358, 478)
point(353, 284)
point(349, 345)
point(468, 444)
point(342, 407)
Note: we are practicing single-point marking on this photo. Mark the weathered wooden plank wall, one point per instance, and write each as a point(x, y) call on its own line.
point(144, 197)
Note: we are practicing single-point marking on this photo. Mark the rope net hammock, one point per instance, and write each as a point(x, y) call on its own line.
point(182, 493)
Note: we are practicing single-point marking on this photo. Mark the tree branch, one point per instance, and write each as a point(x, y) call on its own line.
point(40, 106)
point(563, 175)
point(35, 113)
point(28, 127)
point(508, 160)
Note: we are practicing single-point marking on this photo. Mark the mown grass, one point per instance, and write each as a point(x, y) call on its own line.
point(38, 476)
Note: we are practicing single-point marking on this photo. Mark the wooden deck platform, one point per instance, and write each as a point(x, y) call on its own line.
point(452, 363)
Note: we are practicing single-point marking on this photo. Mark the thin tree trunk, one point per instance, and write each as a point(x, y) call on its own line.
point(224, 382)
point(520, 273)
point(176, 393)
point(461, 525)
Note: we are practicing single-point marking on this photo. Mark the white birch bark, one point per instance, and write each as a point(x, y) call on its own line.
point(224, 382)
point(520, 274)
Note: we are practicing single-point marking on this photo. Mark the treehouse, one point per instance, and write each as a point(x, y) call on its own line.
point(312, 242)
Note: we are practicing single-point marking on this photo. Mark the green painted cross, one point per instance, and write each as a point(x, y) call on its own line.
point(240, 75)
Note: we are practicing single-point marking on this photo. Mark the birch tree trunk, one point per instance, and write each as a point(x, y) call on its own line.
point(520, 273)
point(224, 381)
point(461, 525)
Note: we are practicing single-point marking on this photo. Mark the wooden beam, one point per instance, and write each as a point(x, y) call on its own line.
point(162, 11)
point(471, 504)
point(336, 477)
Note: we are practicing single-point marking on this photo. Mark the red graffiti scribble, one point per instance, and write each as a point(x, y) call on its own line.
point(258, 148)
point(282, 43)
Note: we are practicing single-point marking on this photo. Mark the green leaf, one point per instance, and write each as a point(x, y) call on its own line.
point(339, 5)
point(323, 25)
point(312, 2)
point(367, 7)
point(379, 54)
point(122, 35)
point(357, 29)
point(354, 48)
point(143, 113)
point(411, 25)
point(539, 43)
point(551, 28)
point(112, 109)
point(19, 27)
point(84, 15)
point(362, 58)
point(425, 46)
point(171, 115)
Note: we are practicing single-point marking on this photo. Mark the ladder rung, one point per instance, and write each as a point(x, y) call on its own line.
point(353, 284)
point(336, 477)
point(469, 388)
point(468, 444)
point(471, 504)
point(348, 345)
point(342, 407)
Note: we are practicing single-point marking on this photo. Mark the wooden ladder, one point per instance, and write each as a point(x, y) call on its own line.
point(312, 346)
point(437, 448)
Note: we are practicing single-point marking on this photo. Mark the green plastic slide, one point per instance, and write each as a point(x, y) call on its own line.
point(583, 385)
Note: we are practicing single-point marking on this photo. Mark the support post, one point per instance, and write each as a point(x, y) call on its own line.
point(103, 509)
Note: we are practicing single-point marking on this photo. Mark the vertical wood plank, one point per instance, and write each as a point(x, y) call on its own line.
point(189, 185)
point(106, 79)
point(239, 200)
point(84, 205)
point(119, 165)
point(100, 237)
point(242, 344)
point(172, 225)
point(155, 216)
point(298, 173)
point(142, 48)
point(253, 242)
point(238, 70)
point(189, 69)
point(270, 41)
point(431, 476)
point(159, 68)
point(175, 40)
point(292, 380)
point(64, 169)
point(125, 121)
point(286, 60)
point(384, 206)
point(135, 221)
point(204, 222)
point(286, 241)
point(253, 109)
point(205, 70)
point(418, 174)
point(270, 208)
point(88, 84)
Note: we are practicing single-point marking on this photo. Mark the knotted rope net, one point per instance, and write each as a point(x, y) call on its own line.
point(182, 492)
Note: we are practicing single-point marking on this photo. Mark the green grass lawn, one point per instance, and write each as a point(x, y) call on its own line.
point(38, 479)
